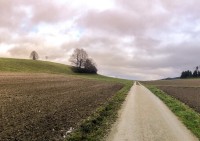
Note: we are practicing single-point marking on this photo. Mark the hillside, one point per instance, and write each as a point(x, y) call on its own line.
point(29, 66)
point(40, 106)
point(10, 65)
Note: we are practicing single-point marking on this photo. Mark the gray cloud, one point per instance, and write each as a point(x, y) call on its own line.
point(122, 22)
point(4, 36)
point(146, 39)
point(24, 50)
point(25, 14)
point(51, 12)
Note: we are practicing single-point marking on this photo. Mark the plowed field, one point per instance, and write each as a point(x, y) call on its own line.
point(185, 90)
point(42, 107)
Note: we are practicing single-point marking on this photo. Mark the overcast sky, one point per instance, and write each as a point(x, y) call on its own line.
point(135, 39)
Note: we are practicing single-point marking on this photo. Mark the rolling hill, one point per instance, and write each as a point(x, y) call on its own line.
point(30, 66)
point(43, 100)
point(13, 65)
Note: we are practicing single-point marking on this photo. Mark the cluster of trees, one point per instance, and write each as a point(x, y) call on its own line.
point(190, 74)
point(80, 61)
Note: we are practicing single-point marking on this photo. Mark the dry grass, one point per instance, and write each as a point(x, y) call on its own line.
point(44, 107)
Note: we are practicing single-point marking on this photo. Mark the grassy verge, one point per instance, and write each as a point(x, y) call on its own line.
point(188, 116)
point(96, 126)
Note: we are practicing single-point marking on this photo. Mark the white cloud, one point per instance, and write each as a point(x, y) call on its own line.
point(147, 39)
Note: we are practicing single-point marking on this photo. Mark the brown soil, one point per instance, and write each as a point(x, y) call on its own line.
point(175, 83)
point(185, 90)
point(43, 107)
point(190, 96)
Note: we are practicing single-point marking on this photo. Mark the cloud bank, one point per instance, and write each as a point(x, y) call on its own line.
point(144, 40)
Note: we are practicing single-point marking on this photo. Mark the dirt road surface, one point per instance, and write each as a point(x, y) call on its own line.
point(144, 117)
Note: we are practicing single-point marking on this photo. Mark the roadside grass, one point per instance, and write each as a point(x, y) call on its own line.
point(188, 116)
point(97, 125)
point(188, 95)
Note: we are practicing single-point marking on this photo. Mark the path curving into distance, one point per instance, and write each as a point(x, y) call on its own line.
point(144, 117)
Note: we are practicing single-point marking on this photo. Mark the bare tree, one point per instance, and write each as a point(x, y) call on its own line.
point(78, 58)
point(81, 63)
point(34, 55)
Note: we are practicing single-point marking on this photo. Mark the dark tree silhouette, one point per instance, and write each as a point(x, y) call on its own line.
point(81, 63)
point(90, 66)
point(189, 74)
point(34, 55)
point(186, 74)
point(195, 73)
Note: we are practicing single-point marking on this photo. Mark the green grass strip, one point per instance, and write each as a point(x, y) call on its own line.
point(96, 126)
point(188, 116)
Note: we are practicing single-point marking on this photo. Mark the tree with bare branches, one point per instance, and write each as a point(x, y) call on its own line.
point(78, 58)
point(34, 55)
point(81, 63)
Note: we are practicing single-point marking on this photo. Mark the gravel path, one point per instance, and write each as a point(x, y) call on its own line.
point(144, 117)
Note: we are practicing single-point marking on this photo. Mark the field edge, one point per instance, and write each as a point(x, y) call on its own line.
point(189, 117)
point(96, 127)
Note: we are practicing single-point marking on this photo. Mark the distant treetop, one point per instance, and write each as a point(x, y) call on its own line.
point(189, 74)
point(34, 55)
